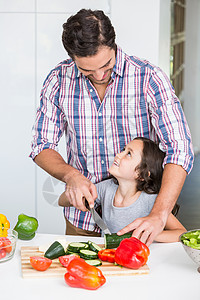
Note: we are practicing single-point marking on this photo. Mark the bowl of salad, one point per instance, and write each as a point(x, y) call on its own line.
point(8, 244)
point(191, 243)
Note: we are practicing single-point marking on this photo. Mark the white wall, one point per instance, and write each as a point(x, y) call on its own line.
point(143, 29)
point(30, 34)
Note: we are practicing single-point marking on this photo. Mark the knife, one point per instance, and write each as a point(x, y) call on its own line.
point(98, 220)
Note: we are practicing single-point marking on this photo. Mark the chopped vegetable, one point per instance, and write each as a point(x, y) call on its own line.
point(55, 250)
point(94, 262)
point(192, 239)
point(75, 247)
point(88, 254)
point(82, 275)
point(107, 255)
point(113, 240)
point(26, 227)
point(2, 253)
point(94, 247)
point(40, 263)
point(65, 260)
point(5, 243)
point(132, 253)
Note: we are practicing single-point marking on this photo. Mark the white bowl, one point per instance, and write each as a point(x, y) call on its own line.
point(193, 253)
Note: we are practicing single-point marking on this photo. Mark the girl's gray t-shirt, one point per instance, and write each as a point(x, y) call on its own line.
point(117, 218)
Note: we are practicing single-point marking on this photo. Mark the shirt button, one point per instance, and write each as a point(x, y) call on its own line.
point(91, 90)
point(100, 139)
point(102, 161)
point(100, 114)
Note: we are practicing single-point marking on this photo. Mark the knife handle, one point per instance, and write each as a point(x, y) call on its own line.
point(87, 204)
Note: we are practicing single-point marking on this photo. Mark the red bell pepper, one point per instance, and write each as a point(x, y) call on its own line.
point(82, 275)
point(107, 255)
point(132, 253)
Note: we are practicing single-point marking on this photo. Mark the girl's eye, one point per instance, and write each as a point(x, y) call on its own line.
point(129, 153)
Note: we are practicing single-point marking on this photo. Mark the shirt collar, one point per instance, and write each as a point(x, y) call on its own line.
point(119, 64)
point(118, 67)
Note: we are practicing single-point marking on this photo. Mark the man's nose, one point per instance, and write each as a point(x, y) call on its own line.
point(98, 74)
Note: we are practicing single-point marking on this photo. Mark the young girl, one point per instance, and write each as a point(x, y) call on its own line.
point(137, 173)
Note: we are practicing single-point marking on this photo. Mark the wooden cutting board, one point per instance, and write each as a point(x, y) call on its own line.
point(57, 270)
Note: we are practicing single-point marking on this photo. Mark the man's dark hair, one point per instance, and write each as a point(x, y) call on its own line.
point(150, 169)
point(86, 31)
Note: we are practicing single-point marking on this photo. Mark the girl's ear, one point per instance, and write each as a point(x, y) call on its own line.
point(149, 173)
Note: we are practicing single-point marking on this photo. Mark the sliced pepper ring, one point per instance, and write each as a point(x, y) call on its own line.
point(107, 255)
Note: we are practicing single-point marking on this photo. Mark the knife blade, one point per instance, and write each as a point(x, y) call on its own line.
point(98, 220)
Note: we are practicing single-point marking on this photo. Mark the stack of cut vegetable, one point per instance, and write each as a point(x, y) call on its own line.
point(86, 250)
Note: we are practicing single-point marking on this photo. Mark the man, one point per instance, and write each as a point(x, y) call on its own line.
point(102, 98)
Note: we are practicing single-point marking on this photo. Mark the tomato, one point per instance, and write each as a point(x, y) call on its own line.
point(4, 243)
point(107, 255)
point(40, 263)
point(65, 260)
point(2, 253)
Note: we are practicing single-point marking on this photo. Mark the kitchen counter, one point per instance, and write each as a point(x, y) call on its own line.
point(173, 275)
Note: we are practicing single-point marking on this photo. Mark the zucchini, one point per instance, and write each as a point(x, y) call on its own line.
point(94, 247)
point(113, 240)
point(94, 262)
point(76, 247)
point(54, 251)
point(88, 254)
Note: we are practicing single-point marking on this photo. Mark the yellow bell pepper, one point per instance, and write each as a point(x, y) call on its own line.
point(4, 225)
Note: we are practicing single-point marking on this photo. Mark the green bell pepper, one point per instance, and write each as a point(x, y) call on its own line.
point(26, 227)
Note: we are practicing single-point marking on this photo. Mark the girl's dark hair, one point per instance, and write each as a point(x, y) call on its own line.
point(150, 169)
point(86, 31)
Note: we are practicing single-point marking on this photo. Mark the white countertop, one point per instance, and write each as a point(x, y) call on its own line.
point(173, 275)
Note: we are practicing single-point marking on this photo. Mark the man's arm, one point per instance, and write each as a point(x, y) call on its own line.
point(78, 186)
point(147, 228)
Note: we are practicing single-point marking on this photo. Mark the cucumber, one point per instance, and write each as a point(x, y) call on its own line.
point(94, 262)
point(94, 247)
point(113, 240)
point(88, 254)
point(70, 252)
point(76, 247)
point(54, 251)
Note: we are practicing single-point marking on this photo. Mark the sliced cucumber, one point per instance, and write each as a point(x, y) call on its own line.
point(113, 240)
point(94, 262)
point(94, 247)
point(88, 254)
point(76, 247)
point(70, 252)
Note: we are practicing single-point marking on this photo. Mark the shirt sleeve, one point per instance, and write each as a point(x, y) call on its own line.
point(50, 119)
point(169, 122)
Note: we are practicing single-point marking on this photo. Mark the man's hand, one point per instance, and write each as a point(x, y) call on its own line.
point(146, 228)
point(80, 188)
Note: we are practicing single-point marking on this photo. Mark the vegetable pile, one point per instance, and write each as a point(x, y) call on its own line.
point(88, 251)
point(81, 259)
point(192, 239)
